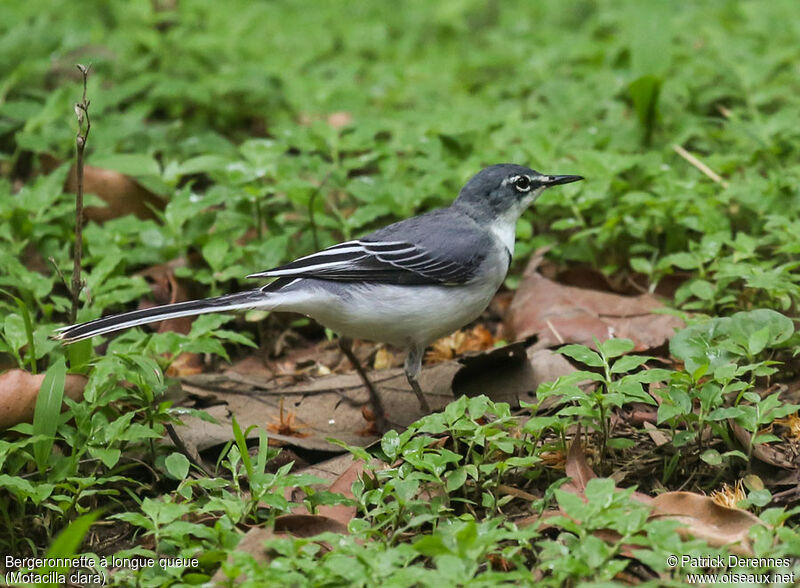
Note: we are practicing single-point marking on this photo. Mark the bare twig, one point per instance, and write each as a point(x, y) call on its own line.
point(699, 165)
point(190, 452)
point(84, 125)
point(60, 274)
point(556, 333)
point(726, 112)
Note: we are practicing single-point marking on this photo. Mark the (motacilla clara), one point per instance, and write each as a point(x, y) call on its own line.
point(406, 284)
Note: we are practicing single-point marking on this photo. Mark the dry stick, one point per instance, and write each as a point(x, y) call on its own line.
point(84, 125)
point(699, 165)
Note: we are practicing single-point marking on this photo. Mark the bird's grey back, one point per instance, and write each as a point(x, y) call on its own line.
point(446, 233)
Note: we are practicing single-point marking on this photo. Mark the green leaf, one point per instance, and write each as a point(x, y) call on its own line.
point(406, 489)
point(130, 164)
point(47, 413)
point(615, 347)
point(600, 491)
point(760, 498)
point(79, 354)
point(108, 455)
point(241, 444)
point(582, 354)
point(758, 341)
point(651, 375)
point(628, 363)
point(743, 325)
point(432, 546)
point(14, 331)
point(26, 317)
point(177, 465)
point(201, 164)
point(648, 31)
point(644, 92)
point(67, 544)
point(366, 214)
point(390, 444)
point(685, 261)
point(703, 289)
point(641, 265)
point(632, 391)
point(621, 443)
point(215, 251)
point(456, 479)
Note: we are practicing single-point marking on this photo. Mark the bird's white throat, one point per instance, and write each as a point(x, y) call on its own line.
point(504, 226)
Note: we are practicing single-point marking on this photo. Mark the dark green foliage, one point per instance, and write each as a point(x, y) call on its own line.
point(271, 129)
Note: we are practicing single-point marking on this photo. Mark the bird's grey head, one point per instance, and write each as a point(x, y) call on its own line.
point(505, 188)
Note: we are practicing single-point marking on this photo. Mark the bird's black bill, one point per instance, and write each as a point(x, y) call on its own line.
point(556, 180)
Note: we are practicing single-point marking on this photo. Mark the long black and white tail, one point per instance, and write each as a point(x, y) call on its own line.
point(117, 322)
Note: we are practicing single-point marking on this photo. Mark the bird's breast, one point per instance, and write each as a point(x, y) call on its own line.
point(399, 315)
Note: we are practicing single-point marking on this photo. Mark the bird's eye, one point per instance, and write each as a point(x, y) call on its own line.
point(522, 183)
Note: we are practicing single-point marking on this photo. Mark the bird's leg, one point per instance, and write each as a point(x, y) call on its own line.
point(346, 345)
point(413, 367)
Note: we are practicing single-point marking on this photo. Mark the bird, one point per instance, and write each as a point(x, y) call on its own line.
point(406, 284)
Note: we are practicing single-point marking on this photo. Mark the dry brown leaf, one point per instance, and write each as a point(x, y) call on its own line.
point(660, 439)
point(335, 120)
point(561, 314)
point(779, 455)
point(608, 535)
point(707, 520)
point(252, 543)
point(472, 340)
point(509, 374)
point(332, 469)
point(792, 424)
point(553, 459)
point(122, 195)
point(477, 339)
point(444, 348)
point(577, 468)
point(308, 525)
point(516, 492)
point(384, 359)
point(19, 390)
point(329, 517)
point(167, 289)
point(299, 524)
point(331, 406)
point(580, 473)
point(340, 119)
point(186, 364)
point(344, 486)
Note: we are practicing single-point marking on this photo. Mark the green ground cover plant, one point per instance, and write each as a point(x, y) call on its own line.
point(264, 131)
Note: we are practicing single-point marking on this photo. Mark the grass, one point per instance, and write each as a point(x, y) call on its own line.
point(268, 130)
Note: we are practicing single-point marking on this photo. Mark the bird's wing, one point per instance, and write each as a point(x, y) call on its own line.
point(416, 251)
